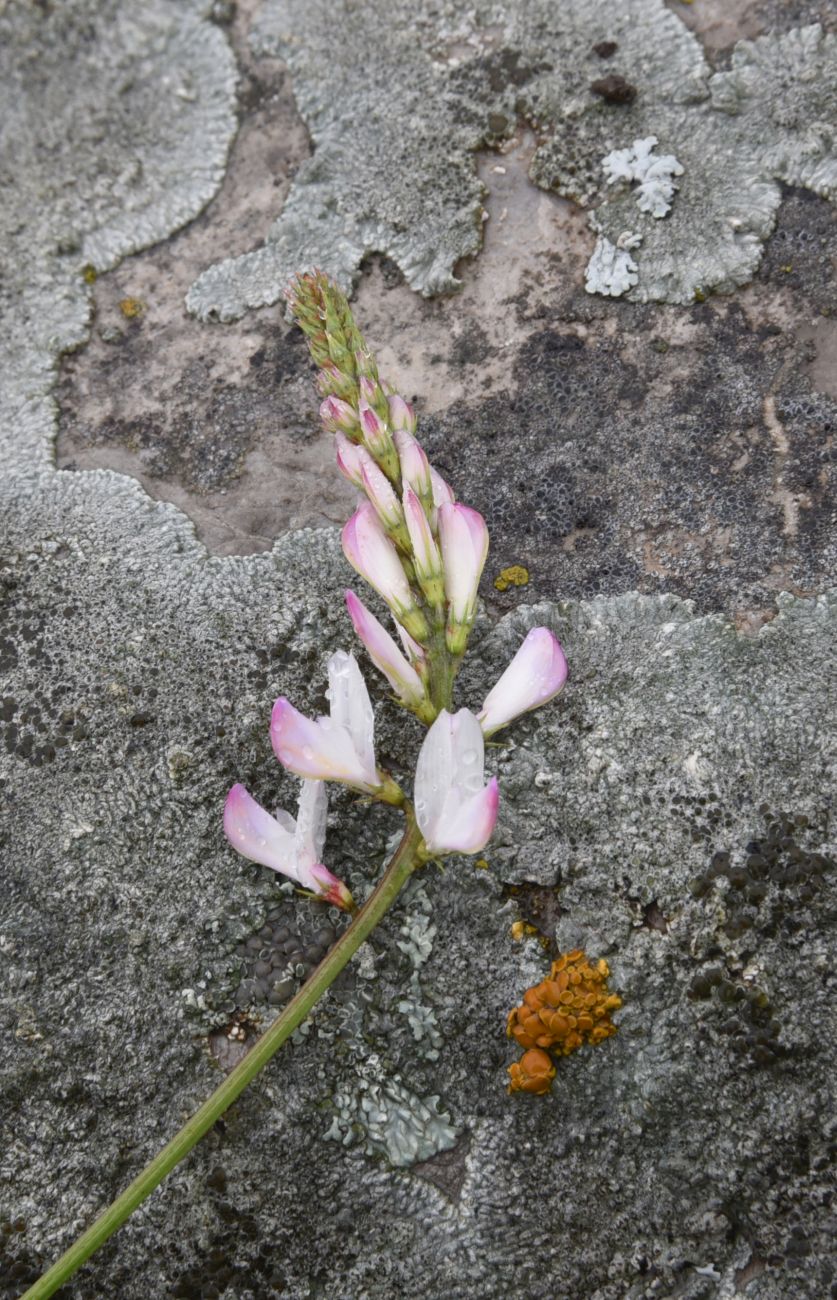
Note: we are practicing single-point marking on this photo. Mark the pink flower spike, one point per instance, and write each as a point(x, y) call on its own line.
point(336, 748)
point(369, 551)
point(292, 848)
point(456, 813)
point(535, 675)
point(385, 654)
point(464, 541)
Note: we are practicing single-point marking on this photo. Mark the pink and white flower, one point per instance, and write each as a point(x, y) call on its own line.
point(464, 541)
point(291, 847)
point(454, 810)
point(535, 675)
point(386, 655)
point(426, 557)
point(339, 416)
point(402, 417)
point(415, 467)
point(340, 747)
point(369, 551)
point(379, 490)
point(350, 459)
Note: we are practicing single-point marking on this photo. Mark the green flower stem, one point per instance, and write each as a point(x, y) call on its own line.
point(405, 860)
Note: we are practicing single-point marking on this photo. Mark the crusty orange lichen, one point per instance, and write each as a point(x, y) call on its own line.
point(562, 1013)
point(514, 576)
point(533, 1073)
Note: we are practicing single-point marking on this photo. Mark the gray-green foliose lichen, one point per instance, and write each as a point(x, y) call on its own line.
point(116, 125)
point(379, 181)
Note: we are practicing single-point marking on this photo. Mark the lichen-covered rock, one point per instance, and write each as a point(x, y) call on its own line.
point(465, 76)
point(125, 912)
point(116, 126)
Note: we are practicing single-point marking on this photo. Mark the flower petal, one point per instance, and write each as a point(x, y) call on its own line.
point(310, 833)
point(369, 551)
point(469, 827)
point(384, 653)
point(256, 835)
point(455, 812)
point(351, 710)
point(464, 541)
point(320, 751)
point(535, 675)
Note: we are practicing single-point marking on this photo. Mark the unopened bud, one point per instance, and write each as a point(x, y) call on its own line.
point(337, 414)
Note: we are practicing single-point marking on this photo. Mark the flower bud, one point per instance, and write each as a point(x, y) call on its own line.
point(426, 557)
point(378, 441)
point(401, 415)
point(385, 503)
point(350, 459)
point(464, 542)
point(369, 551)
point(415, 467)
point(387, 657)
point(338, 415)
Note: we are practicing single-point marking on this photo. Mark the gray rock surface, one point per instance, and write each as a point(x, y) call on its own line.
point(670, 812)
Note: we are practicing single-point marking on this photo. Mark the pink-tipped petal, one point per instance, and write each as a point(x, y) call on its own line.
point(425, 551)
point(464, 541)
point(318, 751)
point(415, 467)
point(384, 652)
point(256, 835)
point(442, 491)
point(455, 812)
point(535, 675)
point(470, 829)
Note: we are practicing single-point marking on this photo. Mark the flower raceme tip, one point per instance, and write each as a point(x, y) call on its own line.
point(291, 847)
point(535, 676)
point(455, 812)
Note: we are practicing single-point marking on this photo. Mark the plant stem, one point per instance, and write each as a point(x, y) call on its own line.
point(396, 875)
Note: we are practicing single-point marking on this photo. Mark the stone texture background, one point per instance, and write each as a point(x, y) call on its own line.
point(170, 564)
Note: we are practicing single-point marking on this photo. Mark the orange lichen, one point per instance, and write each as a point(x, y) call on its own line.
point(562, 1013)
point(533, 1073)
point(514, 576)
point(131, 307)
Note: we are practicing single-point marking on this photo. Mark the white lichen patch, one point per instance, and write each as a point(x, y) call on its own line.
point(611, 270)
point(653, 173)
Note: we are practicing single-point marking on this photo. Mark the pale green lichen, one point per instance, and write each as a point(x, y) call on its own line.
point(732, 134)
